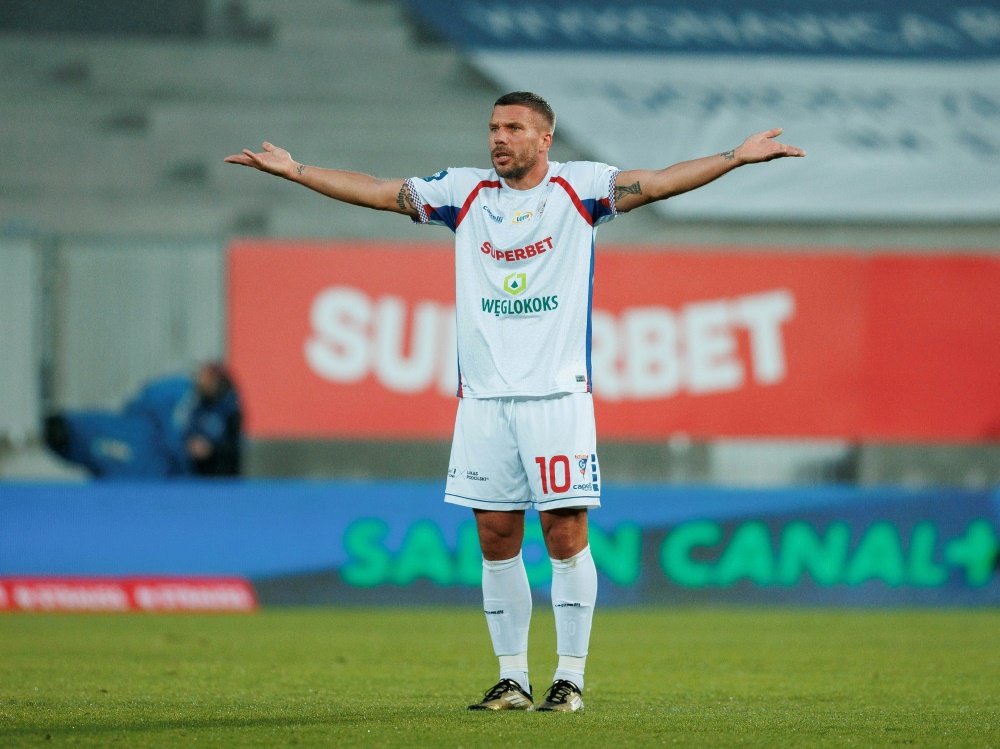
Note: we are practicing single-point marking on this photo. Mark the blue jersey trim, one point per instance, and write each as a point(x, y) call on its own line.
point(590, 321)
point(446, 214)
point(598, 208)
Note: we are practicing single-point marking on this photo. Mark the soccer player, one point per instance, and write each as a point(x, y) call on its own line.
point(524, 434)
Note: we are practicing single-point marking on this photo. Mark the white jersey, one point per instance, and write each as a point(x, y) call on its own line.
point(524, 274)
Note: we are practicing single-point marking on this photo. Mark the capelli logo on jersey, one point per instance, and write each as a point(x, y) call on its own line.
point(522, 217)
point(496, 219)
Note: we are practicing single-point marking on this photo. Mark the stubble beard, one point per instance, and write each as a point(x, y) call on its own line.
point(515, 169)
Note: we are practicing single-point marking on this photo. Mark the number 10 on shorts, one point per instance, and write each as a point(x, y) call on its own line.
point(557, 475)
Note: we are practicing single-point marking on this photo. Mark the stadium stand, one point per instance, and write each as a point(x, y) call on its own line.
point(114, 176)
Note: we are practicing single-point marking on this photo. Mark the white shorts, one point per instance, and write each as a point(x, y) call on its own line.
point(519, 453)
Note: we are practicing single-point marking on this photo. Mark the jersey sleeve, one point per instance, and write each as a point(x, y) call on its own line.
point(433, 197)
point(604, 191)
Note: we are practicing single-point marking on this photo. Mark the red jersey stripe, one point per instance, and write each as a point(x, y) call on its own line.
point(575, 198)
point(472, 196)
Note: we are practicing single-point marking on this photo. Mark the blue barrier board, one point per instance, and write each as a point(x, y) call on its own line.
point(354, 542)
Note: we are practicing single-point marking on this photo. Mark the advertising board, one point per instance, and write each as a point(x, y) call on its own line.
point(398, 543)
point(355, 340)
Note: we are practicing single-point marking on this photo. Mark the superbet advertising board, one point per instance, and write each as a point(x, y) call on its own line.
point(356, 340)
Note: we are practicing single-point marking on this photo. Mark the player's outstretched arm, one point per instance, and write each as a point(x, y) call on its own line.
point(349, 187)
point(638, 187)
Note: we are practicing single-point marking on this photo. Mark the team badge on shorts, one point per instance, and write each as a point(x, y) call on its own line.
point(585, 461)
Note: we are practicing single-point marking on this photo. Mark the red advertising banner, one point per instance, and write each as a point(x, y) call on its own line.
point(355, 340)
point(343, 340)
point(154, 594)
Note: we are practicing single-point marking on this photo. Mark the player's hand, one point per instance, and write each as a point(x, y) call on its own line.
point(272, 159)
point(763, 147)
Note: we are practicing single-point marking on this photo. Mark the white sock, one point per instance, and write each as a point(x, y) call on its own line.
point(507, 604)
point(516, 667)
point(574, 592)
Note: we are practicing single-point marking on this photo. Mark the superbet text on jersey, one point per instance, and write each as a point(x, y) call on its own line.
point(524, 274)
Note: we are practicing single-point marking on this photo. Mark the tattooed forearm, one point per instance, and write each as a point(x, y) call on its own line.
point(300, 168)
point(729, 155)
point(633, 189)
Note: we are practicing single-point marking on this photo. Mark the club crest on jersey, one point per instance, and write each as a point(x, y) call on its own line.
point(515, 283)
point(522, 217)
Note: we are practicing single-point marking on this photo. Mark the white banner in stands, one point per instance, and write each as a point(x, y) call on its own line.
point(885, 139)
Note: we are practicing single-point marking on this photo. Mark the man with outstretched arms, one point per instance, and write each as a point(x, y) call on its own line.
point(524, 434)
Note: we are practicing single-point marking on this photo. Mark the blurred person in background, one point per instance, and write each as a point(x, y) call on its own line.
point(175, 426)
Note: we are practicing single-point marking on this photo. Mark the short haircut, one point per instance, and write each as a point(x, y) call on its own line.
point(532, 101)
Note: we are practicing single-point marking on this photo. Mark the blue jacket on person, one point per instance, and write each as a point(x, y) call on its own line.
point(148, 438)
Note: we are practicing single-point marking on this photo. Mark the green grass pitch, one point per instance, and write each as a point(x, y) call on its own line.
point(402, 678)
